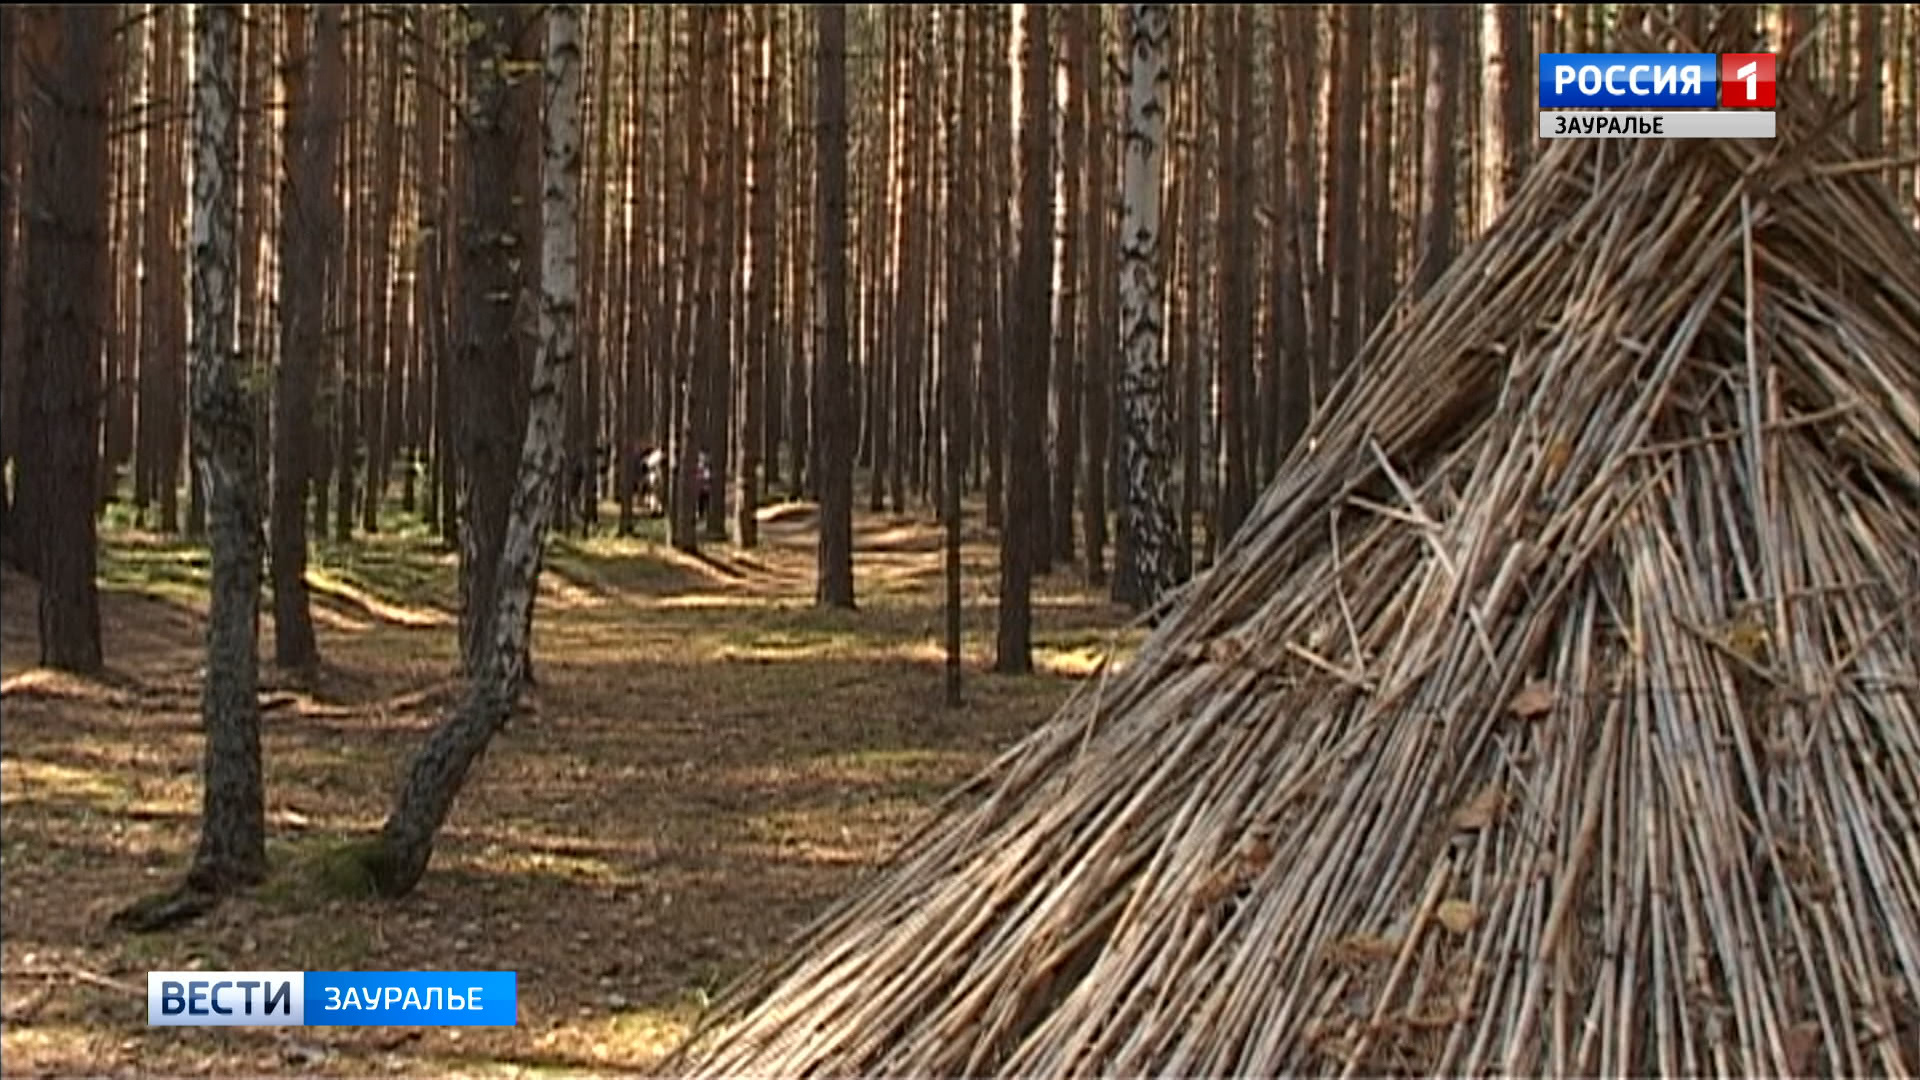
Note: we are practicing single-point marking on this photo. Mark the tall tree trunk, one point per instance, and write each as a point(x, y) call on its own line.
point(1516, 96)
point(1340, 217)
point(1095, 282)
point(956, 350)
point(720, 268)
point(66, 250)
point(752, 428)
point(309, 225)
point(10, 362)
point(1871, 58)
point(1033, 301)
point(1068, 342)
point(350, 286)
point(1233, 29)
point(1148, 570)
point(440, 768)
point(383, 375)
point(1289, 400)
point(233, 826)
point(489, 415)
point(833, 407)
point(1437, 152)
point(996, 138)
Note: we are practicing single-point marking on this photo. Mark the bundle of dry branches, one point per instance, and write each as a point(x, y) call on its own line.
point(1556, 713)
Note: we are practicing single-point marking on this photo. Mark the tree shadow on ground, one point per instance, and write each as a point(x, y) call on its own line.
point(707, 762)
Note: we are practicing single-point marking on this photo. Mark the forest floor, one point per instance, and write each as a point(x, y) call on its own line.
point(706, 763)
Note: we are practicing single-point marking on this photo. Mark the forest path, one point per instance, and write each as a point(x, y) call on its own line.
point(706, 763)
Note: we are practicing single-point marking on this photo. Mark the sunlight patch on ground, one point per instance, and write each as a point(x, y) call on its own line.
point(27, 778)
point(49, 683)
point(329, 585)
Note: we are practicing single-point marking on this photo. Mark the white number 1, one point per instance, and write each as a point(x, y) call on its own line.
point(1751, 73)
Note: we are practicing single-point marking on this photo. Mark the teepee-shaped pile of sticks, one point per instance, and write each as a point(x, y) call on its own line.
point(1555, 713)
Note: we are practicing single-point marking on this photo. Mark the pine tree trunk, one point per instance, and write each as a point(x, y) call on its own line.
point(1289, 397)
point(1033, 306)
point(1868, 53)
point(1068, 342)
point(309, 224)
point(233, 839)
point(958, 74)
point(66, 249)
point(1437, 151)
point(384, 375)
point(833, 420)
point(440, 768)
point(1095, 280)
point(752, 428)
point(1340, 218)
point(996, 138)
point(10, 351)
point(1516, 96)
point(1233, 28)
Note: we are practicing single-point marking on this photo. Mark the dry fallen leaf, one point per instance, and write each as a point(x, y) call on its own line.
point(1534, 700)
point(1481, 810)
point(1368, 947)
point(1457, 916)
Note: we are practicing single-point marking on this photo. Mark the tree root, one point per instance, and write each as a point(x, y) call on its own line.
point(164, 911)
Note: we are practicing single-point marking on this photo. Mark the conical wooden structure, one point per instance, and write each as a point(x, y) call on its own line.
point(1555, 713)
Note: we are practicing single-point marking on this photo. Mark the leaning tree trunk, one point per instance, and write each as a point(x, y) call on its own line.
point(833, 410)
point(489, 364)
point(441, 766)
point(309, 222)
point(1148, 569)
point(233, 826)
point(66, 225)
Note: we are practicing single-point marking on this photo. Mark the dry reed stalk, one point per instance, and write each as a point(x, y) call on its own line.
point(1557, 712)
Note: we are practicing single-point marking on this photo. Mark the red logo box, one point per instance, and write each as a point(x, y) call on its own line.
point(1746, 80)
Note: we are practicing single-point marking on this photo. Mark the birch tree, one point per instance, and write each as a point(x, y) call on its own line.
point(397, 860)
point(1148, 562)
point(233, 834)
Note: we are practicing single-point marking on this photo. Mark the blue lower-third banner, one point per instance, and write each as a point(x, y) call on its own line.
point(333, 998)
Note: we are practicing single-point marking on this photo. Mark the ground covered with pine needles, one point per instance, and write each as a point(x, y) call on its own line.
point(706, 763)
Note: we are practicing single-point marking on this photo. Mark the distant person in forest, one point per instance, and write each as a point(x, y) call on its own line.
point(650, 481)
point(702, 483)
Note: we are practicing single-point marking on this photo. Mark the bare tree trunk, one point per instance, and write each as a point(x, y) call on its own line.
point(1516, 96)
point(1869, 54)
point(380, 405)
point(1289, 400)
point(1096, 282)
point(1437, 152)
point(1233, 30)
point(309, 225)
point(66, 250)
point(1149, 569)
point(958, 73)
point(1068, 341)
point(233, 829)
point(440, 769)
point(833, 411)
point(10, 307)
point(1340, 217)
point(1033, 302)
point(996, 140)
point(752, 428)
point(488, 352)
